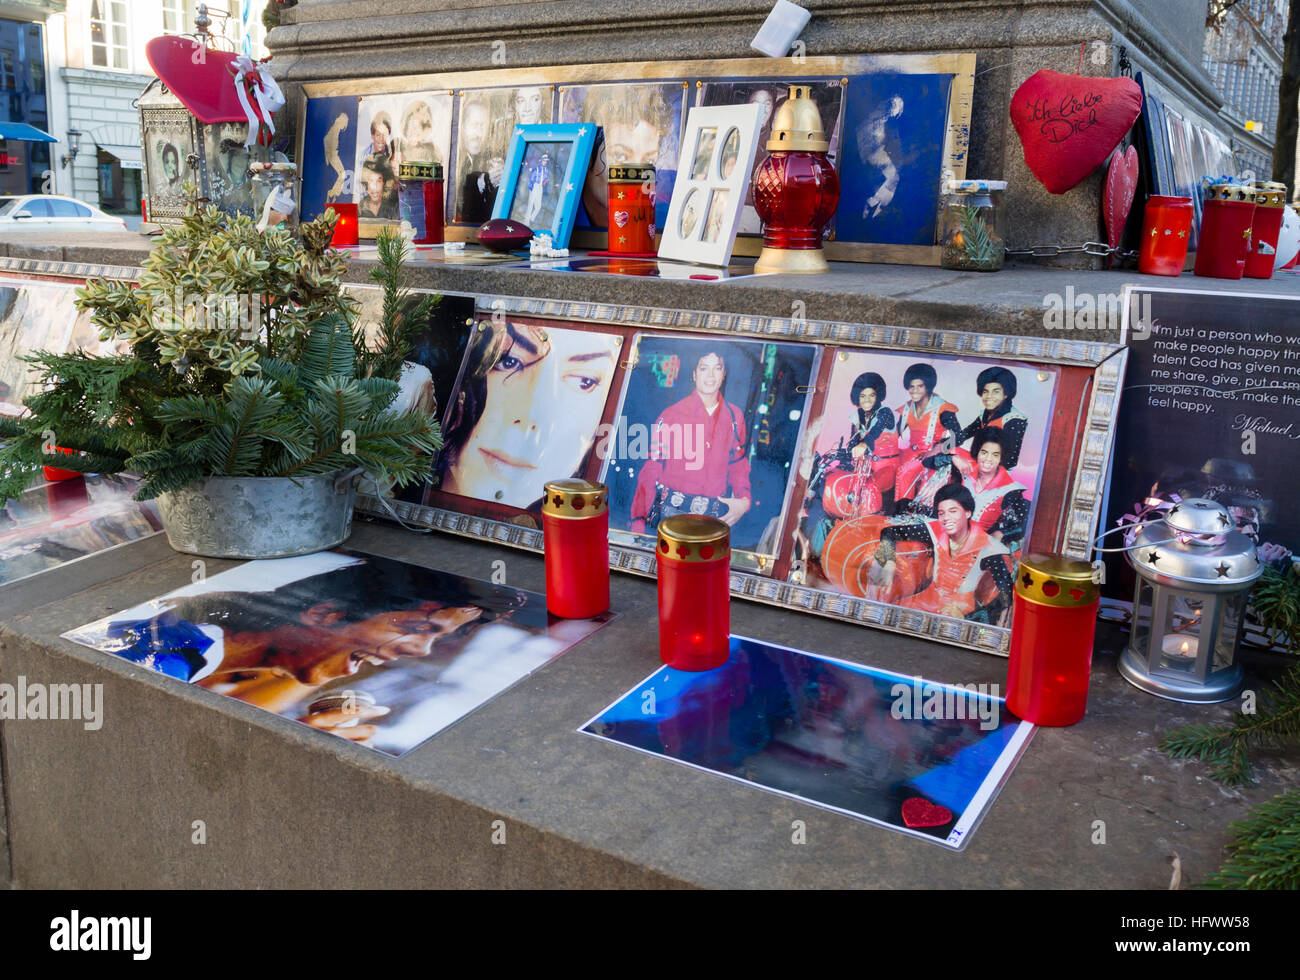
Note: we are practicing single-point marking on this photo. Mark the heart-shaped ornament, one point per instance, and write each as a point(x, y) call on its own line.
point(1068, 124)
point(620, 218)
point(1117, 197)
point(920, 812)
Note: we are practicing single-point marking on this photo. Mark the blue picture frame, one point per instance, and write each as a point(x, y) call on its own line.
point(541, 186)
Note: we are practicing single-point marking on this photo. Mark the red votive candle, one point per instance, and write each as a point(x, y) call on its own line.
point(1166, 232)
point(345, 229)
point(56, 473)
point(1270, 202)
point(1224, 241)
point(421, 200)
point(1052, 624)
point(632, 209)
point(575, 525)
point(694, 592)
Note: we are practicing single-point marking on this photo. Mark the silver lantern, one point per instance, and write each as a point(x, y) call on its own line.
point(1194, 573)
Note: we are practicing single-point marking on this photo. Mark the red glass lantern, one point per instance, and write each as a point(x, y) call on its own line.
point(1270, 202)
point(1052, 624)
point(345, 229)
point(694, 592)
point(795, 189)
point(421, 200)
point(632, 210)
point(575, 523)
point(1224, 241)
point(1166, 232)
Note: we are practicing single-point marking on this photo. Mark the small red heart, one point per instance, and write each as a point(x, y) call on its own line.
point(920, 812)
point(1068, 124)
point(1117, 198)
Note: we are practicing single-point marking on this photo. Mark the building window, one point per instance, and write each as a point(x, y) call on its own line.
point(178, 16)
point(108, 34)
point(8, 80)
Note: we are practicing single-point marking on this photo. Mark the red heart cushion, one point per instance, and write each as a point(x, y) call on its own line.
point(920, 812)
point(1117, 198)
point(1068, 124)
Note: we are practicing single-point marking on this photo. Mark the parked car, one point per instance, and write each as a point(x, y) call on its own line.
point(50, 213)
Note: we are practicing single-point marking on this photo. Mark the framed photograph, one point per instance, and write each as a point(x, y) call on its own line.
point(640, 123)
point(898, 126)
point(707, 427)
point(486, 123)
point(392, 129)
point(923, 479)
point(34, 316)
point(526, 409)
point(1182, 148)
point(769, 94)
point(996, 430)
point(544, 170)
point(712, 177)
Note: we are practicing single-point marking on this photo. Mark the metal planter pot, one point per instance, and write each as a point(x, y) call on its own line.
point(259, 516)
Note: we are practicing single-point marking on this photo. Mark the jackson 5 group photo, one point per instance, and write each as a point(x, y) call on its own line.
point(921, 482)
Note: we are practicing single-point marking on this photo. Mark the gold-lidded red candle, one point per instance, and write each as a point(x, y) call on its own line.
point(1270, 202)
point(575, 526)
point(420, 199)
point(694, 571)
point(1052, 624)
point(632, 209)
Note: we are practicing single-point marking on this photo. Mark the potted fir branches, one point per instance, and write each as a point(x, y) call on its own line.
point(242, 394)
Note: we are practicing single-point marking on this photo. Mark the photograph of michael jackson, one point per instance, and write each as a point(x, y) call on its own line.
point(525, 410)
point(373, 650)
point(707, 427)
point(921, 476)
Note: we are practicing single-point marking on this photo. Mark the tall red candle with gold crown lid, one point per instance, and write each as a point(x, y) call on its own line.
point(694, 562)
point(796, 188)
point(575, 525)
point(1052, 625)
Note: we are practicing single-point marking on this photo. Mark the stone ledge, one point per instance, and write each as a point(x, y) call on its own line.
point(1009, 302)
point(287, 807)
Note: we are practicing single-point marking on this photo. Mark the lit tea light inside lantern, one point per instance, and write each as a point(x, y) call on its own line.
point(1180, 648)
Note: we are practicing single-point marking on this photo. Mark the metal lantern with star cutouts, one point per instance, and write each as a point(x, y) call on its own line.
point(1194, 570)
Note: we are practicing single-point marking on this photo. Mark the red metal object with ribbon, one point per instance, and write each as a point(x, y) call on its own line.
point(208, 83)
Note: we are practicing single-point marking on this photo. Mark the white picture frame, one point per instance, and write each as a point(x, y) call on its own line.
point(704, 214)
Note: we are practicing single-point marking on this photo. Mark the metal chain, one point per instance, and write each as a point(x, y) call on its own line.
point(1099, 249)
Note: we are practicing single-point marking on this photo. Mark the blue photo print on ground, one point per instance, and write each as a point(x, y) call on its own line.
point(892, 158)
point(921, 758)
point(707, 427)
point(330, 141)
